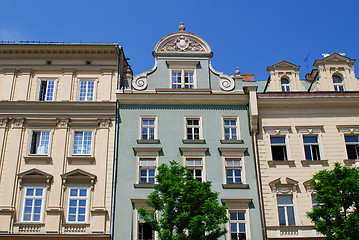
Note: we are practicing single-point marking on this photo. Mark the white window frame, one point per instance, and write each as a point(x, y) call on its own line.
point(240, 167)
point(245, 221)
point(86, 99)
point(202, 167)
point(151, 117)
point(155, 158)
point(77, 198)
point(37, 144)
point(311, 144)
point(352, 143)
point(286, 210)
point(238, 137)
point(200, 135)
point(338, 87)
point(182, 82)
point(285, 87)
point(46, 90)
point(286, 157)
point(92, 142)
point(34, 198)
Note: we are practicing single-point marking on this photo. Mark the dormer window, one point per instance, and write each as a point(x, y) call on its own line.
point(338, 84)
point(285, 85)
point(182, 79)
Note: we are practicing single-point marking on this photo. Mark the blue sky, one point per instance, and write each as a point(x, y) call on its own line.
point(248, 34)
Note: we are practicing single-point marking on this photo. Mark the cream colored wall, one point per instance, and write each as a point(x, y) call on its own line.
point(323, 121)
point(18, 83)
point(276, 77)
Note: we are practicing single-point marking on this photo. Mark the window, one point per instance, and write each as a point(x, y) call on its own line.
point(147, 170)
point(237, 225)
point(230, 129)
point(285, 210)
point(338, 84)
point(183, 79)
point(87, 90)
point(311, 148)
point(285, 85)
point(279, 151)
point(148, 128)
point(145, 231)
point(40, 142)
point(33, 204)
point(193, 128)
point(233, 171)
point(194, 165)
point(352, 145)
point(47, 90)
point(315, 203)
point(82, 143)
point(77, 205)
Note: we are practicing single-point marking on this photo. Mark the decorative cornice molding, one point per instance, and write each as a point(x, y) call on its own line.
point(17, 122)
point(4, 122)
point(63, 122)
point(104, 122)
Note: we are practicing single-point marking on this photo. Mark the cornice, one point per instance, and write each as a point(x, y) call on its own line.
point(182, 98)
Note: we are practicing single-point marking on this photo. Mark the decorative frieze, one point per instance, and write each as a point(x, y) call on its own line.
point(18, 122)
point(182, 44)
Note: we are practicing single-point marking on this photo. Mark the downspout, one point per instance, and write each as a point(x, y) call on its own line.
point(115, 157)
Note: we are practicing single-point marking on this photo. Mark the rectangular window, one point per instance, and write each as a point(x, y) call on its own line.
point(182, 79)
point(47, 90)
point(352, 145)
point(314, 201)
point(230, 129)
point(237, 225)
point(40, 141)
point(193, 128)
point(147, 170)
point(148, 128)
point(311, 147)
point(87, 90)
point(285, 210)
point(33, 204)
point(194, 165)
point(82, 143)
point(278, 147)
point(78, 205)
point(233, 171)
point(145, 231)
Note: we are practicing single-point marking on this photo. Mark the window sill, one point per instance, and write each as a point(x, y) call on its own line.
point(148, 141)
point(280, 162)
point(81, 158)
point(193, 141)
point(235, 185)
point(314, 162)
point(144, 185)
point(350, 161)
point(231, 141)
point(46, 158)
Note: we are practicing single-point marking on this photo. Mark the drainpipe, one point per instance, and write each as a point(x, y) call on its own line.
point(115, 157)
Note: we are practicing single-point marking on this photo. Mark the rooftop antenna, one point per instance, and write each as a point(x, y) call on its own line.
point(306, 60)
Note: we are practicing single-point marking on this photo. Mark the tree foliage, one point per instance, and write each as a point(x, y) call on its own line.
point(337, 214)
point(186, 208)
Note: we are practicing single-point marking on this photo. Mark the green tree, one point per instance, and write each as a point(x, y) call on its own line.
point(186, 208)
point(337, 194)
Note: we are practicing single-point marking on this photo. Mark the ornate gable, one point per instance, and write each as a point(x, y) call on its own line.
point(283, 65)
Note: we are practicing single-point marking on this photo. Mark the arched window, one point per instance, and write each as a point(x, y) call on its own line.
point(285, 85)
point(338, 84)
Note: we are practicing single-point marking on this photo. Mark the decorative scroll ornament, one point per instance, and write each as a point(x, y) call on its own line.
point(182, 44)
point(226, 84)
point(139, 83)
point(63, 122)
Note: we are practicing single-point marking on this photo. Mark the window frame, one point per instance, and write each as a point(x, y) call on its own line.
point(356, 144)
point(200, 127)
point(46, 91)
point(31, 133)
point(155, 158)
point(43, 199)
point(338, 87)
point(237, 127)
point(312, 144)
point(77, 198)
point(245, 221)
point(182, 82)
point(286, 155)
point(286, 218)
point(285, 87)
point(202, 167)
point(94, 93)
point(241, 168)
point(149, 117)
point(92, 141)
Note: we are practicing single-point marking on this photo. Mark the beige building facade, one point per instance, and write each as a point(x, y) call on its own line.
point(304, 126)
point(57, 133)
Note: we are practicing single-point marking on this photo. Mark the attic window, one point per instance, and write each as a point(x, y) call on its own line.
point(338, 84)
point(285, 85)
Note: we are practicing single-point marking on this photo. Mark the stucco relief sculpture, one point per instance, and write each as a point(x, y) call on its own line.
point(139, 83)
point(227, 84)
point(182, 44)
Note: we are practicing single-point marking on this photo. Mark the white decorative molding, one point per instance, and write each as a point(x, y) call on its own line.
point(63, 122)
point(104, 122)
point(182, 44)
point(310, 129)
point(287, 186)
point(3, 122)
point(348, 129)
point(277, 130)
point(226, 83)
point(18, 122)
point(140, 82)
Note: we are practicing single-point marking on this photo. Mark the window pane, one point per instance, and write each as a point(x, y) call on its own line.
point(284, 199)
point(351, 138)
point(291, 220)
point(30, 192)
point(308, 152)
point(83, 192)
point(279, 153)
point(73, 192)
point(310, 139)
point(233, 227)
point(281, 214)
point(277, 140)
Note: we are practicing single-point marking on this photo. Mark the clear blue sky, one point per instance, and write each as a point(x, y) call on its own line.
point(248, 34)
